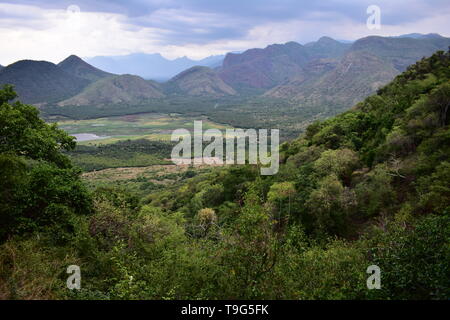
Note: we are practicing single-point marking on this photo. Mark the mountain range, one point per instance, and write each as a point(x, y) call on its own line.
point(325, 72)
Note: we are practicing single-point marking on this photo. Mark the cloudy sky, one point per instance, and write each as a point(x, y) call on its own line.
point(52, 30)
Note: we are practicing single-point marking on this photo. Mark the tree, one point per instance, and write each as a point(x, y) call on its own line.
point(330, 205)
point(39, 186)
point(340, 162)
point(24, 134)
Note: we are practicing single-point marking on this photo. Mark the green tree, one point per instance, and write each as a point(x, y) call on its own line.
point(40, 188)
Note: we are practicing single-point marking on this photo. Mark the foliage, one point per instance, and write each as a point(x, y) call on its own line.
point(40, 188)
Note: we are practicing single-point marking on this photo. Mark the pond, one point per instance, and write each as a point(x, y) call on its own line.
point(88, 137)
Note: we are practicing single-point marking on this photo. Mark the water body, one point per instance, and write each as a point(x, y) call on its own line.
point(88, 137)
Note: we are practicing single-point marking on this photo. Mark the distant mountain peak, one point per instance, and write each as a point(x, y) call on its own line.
point(420, 36)
point(72, 58)
point(326, 39)
point(76, 66)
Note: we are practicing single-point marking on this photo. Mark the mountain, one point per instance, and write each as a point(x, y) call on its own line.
point(401, 52)
point(199, 81)
point(355, 77)
point(211, 61)
point(326, 73)
point(263, 68)
point(126, 89)
point(77, 67)
point(276, 64)
point(368, 64)
point(41, 81)
point(150, 66)
point(419, 36)
point(327, 47)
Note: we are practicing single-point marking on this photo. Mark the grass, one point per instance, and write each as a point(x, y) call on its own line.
point(142, 180)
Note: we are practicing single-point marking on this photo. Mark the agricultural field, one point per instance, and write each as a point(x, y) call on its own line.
point(149, 126)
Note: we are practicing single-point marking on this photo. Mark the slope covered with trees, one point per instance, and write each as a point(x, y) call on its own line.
point(123, 89)
point(368, 187)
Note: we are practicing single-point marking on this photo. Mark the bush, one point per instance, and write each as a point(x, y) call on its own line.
point(415, 263)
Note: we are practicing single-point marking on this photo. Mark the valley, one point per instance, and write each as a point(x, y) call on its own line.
point(286, 86)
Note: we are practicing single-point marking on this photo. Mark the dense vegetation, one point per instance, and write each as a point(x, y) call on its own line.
point(128, 153)
point(368, 187)
point(40, 189)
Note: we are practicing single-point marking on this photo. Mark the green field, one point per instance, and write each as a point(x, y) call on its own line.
point(150, 126)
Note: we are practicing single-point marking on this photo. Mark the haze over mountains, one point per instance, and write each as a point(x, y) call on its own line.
point(325, 72)
point(151, 66)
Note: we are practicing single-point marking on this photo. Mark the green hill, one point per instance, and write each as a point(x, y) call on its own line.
point(41, 81)
point(126, 89)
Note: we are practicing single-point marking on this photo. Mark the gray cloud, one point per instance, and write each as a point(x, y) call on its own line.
point(191, 23)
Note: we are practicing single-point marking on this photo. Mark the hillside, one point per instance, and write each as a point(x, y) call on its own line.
point(41, 81)
point(77, 67)
point(326, 47)
point(263, 68)
point(376, 176)
point(127, 89)
point(401, 52)
point(278, 63)
point(199, 81)
point(353, 78)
